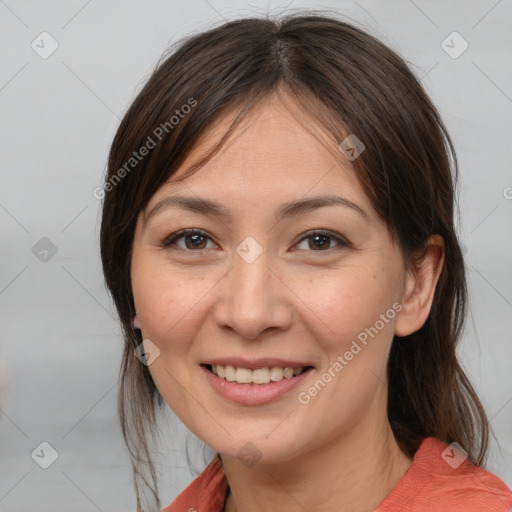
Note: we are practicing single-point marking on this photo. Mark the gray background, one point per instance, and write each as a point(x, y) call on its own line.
point(60, 344)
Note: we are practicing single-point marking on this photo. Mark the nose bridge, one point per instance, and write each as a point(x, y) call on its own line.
point(249, 286)
point(252, 302)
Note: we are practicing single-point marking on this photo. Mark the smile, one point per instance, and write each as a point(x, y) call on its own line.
point(256, 376)
point(251, 392)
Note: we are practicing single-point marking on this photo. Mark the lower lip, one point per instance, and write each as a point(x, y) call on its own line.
point(254, 394)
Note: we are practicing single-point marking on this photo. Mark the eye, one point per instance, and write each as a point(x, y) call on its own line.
point(321, 240)
point(194, 239)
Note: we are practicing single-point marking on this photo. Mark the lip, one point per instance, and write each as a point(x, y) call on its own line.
point(254, 394)
point(266, 362)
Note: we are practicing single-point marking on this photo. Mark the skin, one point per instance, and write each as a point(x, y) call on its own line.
point(337, 452)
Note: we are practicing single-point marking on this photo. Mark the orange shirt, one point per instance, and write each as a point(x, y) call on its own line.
point(439, 480)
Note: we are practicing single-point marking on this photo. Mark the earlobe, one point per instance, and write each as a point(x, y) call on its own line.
point(136, 322)
point(420, 287)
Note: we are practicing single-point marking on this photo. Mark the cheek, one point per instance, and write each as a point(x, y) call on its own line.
point(165, 306)
point(345, 304)
point(164, 302)
point(355, 333)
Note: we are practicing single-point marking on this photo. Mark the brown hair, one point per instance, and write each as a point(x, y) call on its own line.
point(350, 83)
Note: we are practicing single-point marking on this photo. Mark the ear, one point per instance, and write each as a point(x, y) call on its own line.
point(419, 287)
point(136, 322)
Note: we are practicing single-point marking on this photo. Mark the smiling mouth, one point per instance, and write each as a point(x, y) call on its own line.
point(257, 376)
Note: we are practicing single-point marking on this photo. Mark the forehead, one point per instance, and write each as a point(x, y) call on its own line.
point(276, 152)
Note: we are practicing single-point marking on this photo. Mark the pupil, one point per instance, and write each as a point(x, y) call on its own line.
point(316, 237)
point(196, 239)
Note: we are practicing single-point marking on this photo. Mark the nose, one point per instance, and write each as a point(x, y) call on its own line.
point(253, 298)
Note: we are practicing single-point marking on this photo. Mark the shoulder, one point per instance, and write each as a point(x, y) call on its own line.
point(442, 478)
point(206, 493)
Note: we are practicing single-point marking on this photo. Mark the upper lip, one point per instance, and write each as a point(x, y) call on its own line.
point(265, 362)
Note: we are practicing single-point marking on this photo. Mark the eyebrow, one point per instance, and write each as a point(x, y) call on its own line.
point(286, 210)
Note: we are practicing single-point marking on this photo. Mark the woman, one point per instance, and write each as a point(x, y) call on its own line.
point(278, 238)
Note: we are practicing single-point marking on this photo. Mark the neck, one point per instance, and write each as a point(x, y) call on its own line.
point(354, 472)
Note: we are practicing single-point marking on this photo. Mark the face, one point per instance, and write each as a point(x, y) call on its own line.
point(316, 286)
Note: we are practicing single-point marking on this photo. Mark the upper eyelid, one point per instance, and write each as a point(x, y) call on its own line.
point(186, 232)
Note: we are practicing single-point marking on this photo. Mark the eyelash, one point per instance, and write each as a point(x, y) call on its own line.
point(169, 241)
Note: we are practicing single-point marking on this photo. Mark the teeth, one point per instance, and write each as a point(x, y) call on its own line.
point(276, 374)
point(258, 376)
point(288, 373)
point(243, 375)
point(229, 372)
